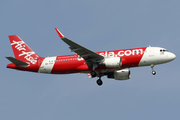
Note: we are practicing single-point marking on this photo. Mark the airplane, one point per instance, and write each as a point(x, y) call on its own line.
point(114, 64)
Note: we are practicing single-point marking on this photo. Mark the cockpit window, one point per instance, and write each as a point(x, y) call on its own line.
point(163, 50)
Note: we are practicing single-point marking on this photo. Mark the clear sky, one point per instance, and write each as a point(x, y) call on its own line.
point(98, 25)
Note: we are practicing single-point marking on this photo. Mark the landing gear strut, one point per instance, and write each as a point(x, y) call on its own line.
point(152, 67)
point(93, 73)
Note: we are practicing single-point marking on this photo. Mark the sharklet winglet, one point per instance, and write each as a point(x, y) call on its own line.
point(59, 33)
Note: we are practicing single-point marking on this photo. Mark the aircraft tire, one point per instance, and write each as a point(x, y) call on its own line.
point(93, 74)
point(99, 82)
point(154, 72)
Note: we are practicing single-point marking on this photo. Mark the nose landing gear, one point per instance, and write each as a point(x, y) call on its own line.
point(153, 72)
point(152, 67)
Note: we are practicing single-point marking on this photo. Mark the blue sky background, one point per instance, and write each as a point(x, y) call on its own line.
point(98, 25)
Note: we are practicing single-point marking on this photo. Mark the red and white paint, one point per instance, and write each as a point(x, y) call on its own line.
point(135, 57)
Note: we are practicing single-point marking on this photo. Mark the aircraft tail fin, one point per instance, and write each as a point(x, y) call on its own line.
point(22, 51)
point(17, 62)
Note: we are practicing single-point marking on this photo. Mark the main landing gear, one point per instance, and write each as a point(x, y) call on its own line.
point(93, 73)
point(99, 81)
point(152, 67)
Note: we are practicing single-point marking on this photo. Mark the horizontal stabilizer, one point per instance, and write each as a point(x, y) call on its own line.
point(17, 62)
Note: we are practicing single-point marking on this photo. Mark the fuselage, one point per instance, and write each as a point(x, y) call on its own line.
point(135, 57)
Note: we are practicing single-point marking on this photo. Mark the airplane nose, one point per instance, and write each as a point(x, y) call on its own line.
point(172, 56)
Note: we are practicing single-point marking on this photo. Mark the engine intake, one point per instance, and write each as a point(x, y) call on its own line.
point(120, 75)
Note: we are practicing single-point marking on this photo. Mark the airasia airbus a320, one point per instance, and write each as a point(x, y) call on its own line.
point(112, 64)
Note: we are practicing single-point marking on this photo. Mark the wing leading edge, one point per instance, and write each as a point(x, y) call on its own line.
point(86, 54)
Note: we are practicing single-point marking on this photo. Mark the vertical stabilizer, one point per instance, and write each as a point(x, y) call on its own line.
point(22, 51)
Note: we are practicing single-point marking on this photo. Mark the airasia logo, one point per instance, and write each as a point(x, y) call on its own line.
point(27, 55)
point(123, 53)
point(119, 53)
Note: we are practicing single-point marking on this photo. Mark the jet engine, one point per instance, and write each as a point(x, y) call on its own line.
point(120, 75)
point(112, 62)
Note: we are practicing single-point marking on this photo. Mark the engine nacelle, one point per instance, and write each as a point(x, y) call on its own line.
point(120, 75)
point(112, 62)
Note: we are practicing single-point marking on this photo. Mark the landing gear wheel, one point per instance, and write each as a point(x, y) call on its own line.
point(93, 74)
point(99, 82)
point(153, 72)
point(152, 67)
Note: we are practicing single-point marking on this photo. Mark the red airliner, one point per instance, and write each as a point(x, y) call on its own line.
point(113, 63)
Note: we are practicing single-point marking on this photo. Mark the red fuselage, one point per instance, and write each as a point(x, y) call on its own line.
point(73, 64)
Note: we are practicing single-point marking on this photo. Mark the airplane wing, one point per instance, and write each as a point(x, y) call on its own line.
point(86, 54)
